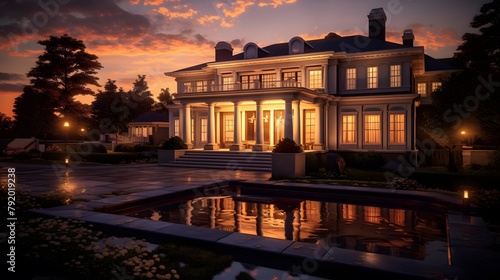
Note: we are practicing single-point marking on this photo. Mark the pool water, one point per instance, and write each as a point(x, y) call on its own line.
point(418, 234)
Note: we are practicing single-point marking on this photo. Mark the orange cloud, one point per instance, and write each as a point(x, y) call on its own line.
point(235, 9)
point(432, 37)
point(177, 14)
point(151, 2)
point(275, 3)
point(207, 19)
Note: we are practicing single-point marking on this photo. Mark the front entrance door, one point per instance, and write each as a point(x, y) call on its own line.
point(227, 129)
point(279, 125)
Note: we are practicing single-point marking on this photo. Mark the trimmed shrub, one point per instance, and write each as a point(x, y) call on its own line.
point(370, 160)
point(312, 162)
point(34, 153)
point(173, 143)
point(135, 148)
point(90, 148)
point(287, 145)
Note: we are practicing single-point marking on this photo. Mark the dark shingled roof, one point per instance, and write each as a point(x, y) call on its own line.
point(152, 117)
point(348, 44)
point(440, 64)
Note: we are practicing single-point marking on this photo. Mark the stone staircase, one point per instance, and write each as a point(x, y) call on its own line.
point(231, 160)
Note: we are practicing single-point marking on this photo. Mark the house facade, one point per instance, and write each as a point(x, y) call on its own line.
point(351, 93)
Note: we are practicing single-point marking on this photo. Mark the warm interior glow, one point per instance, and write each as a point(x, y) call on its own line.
point(463, 132)
point(66, 124)
point(466, 194)
point(66, 160)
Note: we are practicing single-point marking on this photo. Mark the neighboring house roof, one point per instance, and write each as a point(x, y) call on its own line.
point(433, 64)
point(151, 117)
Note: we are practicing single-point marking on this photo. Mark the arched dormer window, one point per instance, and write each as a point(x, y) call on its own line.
point(251, 50)
point(297, 45)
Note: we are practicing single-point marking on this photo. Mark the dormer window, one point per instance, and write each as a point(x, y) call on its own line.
point(297, 45)
point(251, 50)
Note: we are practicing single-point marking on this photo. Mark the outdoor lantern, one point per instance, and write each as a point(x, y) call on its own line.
point(466, 200)
point(66, 161)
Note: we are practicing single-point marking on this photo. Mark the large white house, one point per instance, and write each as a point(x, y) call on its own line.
point(350, 93)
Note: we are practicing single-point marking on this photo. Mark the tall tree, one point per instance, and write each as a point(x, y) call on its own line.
point(469, 100)
point(64, 71)
point(164, 99)
point(140, 99)
point(5, 126)
point(34, 114)
point(109, 111)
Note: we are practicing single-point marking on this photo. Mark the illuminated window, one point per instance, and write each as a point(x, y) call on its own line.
point(349, 129)
point(176, 127)
point(372, 129)
point(250, 81)
point(227, 83)
point(228, 128)
point(203, 129)
point(397, 216)
point(372, 74)
point(268, 80)
point(349, 212)
point(351, 78)
point(372, 214)
point(188, 87)
point(435, 86)
point(290, 77)
point(422, 88)
point(395, 73)
point(396, 128)
point(315, 79)
point(201, 86)
point(309, 125)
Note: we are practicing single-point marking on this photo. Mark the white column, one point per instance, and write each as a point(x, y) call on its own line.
point(271, 128)
point(288, 119)
point(187, 125)
point(259, 139)
point(182, 119)
point(319, 126)
point(211, 145)
point(171, 124)
point(237, 146)
point(296, 121)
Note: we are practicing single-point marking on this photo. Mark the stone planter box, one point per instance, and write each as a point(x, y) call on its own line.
point(288, 165)
point(166, 156)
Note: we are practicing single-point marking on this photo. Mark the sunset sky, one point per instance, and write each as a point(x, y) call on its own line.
point(150, 37)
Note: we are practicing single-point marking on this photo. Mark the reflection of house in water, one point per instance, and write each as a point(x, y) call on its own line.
point(387, 231)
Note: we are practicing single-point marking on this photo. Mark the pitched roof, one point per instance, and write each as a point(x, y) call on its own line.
point(332, 42)
point(151, 117)
point(440, 64)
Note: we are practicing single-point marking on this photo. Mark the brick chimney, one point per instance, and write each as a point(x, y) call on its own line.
point(408, 38)
point(376, 24)
point(223, 51)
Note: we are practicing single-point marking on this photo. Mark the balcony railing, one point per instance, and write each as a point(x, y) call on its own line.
point(243, 86)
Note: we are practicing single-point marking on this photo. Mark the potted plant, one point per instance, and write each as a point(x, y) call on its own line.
point(288, 160)
point(171, 149)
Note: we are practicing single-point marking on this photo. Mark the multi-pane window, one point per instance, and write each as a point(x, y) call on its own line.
point(371, 214)
point(396, 128)
point(258, 81)
point(268, 80)
point(315, 79)
point(309, 126)
point(372, 77)
point(292, 79)
point(197, 86)
point(176, 127)
point(435, 86)
point(395, 75)
point(188, 86)
point(372, 129)
point(227, 83)
point(203, 129)
point(228, 128)
point(422, 88)
point(351, 78)
point(201, 86)
point(349, 129)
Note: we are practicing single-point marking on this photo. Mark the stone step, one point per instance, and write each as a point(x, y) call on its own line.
point(233, 160)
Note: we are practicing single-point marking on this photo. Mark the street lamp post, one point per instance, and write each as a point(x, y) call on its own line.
point(66, 127)
point(82, 131)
